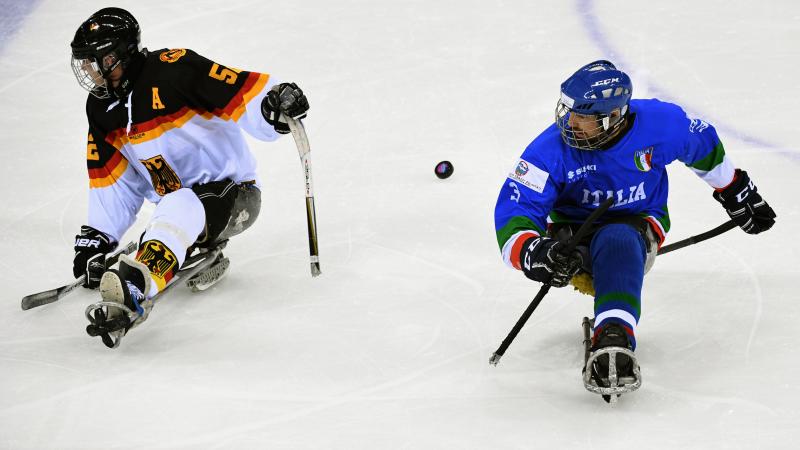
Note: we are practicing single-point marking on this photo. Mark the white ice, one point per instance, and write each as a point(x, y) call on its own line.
point(389, 348)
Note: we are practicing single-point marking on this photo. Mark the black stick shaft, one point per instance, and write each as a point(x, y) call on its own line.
point(571, 244)
point(729, 225)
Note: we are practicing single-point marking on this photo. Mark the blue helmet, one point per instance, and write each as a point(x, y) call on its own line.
point(597, 90)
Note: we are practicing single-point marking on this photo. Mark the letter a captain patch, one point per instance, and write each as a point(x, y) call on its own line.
point(644, 159)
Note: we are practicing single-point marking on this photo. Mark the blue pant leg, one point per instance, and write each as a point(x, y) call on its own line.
point(618, 257)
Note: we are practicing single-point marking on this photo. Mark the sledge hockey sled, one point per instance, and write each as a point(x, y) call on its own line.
point(112, 331)
point(611, 386)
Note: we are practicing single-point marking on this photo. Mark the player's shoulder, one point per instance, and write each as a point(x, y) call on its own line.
point(96, 108)
point(653, 108)
point(175, 57)
point(176, 62)
point(547, 149)
point(659, 118)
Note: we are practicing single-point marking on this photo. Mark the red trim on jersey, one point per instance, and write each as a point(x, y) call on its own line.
point(254, 83)
point(735, 176)
point(516, 247)
point(657, 229)
point(155, 127)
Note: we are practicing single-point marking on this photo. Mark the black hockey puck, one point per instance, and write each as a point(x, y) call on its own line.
point(444, 169)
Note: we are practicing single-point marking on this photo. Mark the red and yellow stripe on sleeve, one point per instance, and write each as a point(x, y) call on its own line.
point(153, 128)
point(109, 173)
point(235, 108)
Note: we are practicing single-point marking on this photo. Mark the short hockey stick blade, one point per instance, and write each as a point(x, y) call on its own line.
point(46, 297)
point(53, 295)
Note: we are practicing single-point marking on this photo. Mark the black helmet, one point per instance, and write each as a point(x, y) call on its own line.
point(107, 39)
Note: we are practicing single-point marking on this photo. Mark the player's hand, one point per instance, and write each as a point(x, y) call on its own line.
point(91, 247)
point(543, 260)
point(285, 99)
point(744, 204)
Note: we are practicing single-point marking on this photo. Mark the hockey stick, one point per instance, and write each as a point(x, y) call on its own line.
point(571, 244)
point(304, 150)
point(729, 225)
point(53, 295)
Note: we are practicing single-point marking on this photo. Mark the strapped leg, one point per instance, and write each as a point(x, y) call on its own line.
point(230, 209)
point(618, 262)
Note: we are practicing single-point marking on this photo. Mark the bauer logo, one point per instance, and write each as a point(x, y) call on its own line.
point(529, 175)
point(644, 159)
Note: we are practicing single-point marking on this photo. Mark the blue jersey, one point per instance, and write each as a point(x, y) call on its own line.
point(552, 182)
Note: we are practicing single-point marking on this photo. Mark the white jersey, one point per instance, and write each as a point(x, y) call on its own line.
point(180, 126)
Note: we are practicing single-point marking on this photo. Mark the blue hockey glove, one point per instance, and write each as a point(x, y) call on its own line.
point(745, 206)
point(543, 260)
point(285, 99)
point(91, 247)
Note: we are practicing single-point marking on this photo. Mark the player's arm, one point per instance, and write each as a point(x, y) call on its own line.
point(704, 154)
point(525, 200)
point(255, 101)
point(115, 196)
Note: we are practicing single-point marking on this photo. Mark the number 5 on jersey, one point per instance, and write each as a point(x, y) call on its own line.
point(228, 75)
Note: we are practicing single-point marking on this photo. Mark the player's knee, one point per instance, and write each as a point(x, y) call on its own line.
point(619, 239)
point(244, 213)
point(179, 213)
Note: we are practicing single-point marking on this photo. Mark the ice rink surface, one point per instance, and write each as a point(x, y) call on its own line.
point(389, 348)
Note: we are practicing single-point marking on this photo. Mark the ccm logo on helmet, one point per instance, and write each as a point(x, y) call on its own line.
point(605, 82)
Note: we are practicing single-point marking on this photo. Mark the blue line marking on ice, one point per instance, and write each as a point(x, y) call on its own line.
point(591, 23)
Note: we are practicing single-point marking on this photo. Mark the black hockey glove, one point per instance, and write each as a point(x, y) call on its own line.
point(745, 206)
point(91, 247)
point(543, 260)
point(285, 99)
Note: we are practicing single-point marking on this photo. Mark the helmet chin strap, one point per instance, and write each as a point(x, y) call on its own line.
point(606, 121)
point(130, 71)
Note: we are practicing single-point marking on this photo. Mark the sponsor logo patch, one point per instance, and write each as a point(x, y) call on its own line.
point(580, 172)
point(529, 175)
